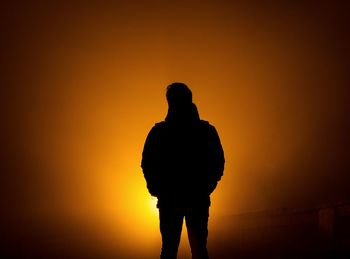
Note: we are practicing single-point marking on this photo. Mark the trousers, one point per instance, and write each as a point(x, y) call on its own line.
point(171, 220)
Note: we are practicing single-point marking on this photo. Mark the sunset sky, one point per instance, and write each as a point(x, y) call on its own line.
point(85, 82)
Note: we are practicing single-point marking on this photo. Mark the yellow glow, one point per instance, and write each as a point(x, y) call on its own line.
point(153, 205)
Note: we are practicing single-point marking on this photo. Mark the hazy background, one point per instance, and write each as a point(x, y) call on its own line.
point(82, 84)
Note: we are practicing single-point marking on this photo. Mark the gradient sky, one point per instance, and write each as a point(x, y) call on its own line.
point(84, 83)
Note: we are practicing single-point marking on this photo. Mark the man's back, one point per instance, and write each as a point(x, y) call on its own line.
point(185, 161)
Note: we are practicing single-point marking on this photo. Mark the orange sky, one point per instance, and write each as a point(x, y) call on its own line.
point(86, 82)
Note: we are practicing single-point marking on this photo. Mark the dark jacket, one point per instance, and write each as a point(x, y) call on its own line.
point(183, 159)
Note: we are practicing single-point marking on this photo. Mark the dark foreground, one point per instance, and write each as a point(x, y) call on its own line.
point(322, 232)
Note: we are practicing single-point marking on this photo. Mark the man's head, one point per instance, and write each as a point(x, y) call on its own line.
point(178, 94)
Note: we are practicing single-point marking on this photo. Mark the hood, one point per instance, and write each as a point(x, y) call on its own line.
point(183, 114)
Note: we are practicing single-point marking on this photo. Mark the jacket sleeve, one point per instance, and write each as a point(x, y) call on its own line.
point(150, 162)
point(216, 159)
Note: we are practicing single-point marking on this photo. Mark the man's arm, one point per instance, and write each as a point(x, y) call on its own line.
point(217, 159)
point(150, 160)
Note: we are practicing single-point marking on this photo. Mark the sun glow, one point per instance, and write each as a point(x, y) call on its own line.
point(141, 214)
point(153, 205)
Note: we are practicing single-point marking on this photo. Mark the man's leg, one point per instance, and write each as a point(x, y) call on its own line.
point(197, 229)
point(170, 227)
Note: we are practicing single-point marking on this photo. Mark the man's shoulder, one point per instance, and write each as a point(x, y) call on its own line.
point(206, 125)
point(163, 126)
point(160, 125)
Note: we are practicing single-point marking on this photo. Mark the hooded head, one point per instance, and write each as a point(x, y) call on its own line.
point(178, 94)
point(181, 108)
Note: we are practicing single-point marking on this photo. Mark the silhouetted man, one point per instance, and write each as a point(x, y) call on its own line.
point(182, 162)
